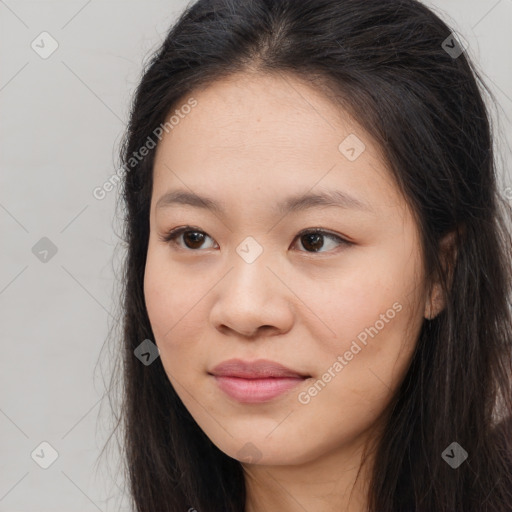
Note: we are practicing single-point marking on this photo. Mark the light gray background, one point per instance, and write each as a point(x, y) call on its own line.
point(61, 122)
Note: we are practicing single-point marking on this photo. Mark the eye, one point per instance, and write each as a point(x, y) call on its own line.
point(194, 237)
point(312, 239)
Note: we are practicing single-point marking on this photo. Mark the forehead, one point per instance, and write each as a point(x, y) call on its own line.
point(246, 112)
point(273, 132)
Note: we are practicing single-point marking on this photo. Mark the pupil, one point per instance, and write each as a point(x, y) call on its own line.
point(197, 238)
point(315, 237)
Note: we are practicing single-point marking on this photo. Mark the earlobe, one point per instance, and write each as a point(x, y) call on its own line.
point(435, 303)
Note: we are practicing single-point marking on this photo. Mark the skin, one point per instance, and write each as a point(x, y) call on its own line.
point(252, 141)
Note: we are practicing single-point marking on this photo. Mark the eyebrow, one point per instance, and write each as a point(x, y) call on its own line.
point(328, 198)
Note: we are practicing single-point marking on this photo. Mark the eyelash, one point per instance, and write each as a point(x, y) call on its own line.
point(171, 236)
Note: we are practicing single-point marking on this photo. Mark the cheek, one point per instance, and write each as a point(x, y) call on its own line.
point(366, 298)
point(174, 306)
point(375, 317)
point(364, 368)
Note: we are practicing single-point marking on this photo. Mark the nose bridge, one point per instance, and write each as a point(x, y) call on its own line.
point(250, 250)
point(250, 273)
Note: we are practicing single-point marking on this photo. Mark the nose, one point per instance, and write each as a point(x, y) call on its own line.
point(251, 301)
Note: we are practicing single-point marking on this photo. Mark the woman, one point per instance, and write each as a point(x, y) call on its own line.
point(317, 286)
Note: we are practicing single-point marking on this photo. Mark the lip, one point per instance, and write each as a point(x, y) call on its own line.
point(261, 368)
point(257, 381)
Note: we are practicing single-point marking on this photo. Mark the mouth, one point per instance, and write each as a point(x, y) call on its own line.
point(257, 381)
point(256, 390)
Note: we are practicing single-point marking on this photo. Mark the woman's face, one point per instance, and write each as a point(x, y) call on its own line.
point(246, 283)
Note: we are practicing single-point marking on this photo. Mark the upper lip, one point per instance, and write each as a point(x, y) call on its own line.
point(258, 369)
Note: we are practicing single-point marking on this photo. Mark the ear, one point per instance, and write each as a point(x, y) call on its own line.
point(436, 301)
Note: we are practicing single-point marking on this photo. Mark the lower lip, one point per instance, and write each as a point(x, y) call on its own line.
point(256, 390)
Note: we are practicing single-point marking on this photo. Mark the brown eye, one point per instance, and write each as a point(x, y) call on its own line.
point(193, 238)
point(314, 240)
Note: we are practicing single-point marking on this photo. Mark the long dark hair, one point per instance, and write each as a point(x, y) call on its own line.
point(404, 76)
